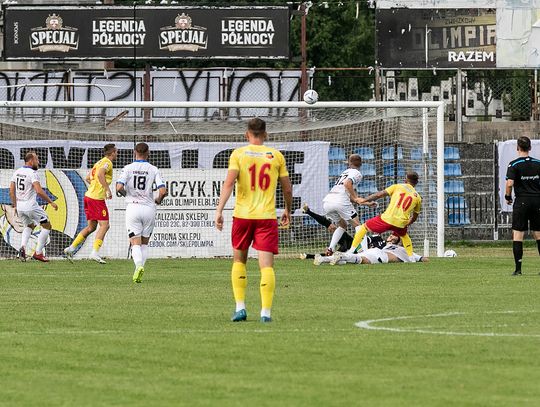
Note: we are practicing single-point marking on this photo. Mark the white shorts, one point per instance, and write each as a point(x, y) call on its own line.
point(35, 216)
point(339, 210)
point(140, 220)
point(374, 256)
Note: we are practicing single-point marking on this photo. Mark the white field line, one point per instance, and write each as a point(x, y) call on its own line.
point(368, 324)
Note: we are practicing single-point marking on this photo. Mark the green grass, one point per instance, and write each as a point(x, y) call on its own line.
point(84, 334)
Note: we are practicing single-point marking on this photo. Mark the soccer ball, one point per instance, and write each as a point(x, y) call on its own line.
point(311, 96)
point(450, 253)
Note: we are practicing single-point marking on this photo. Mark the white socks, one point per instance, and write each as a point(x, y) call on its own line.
point(265, 312)
point(144, 252)
point(240, 305)
point(26, 233)
point(136, 253)
point(42, 240)
point(338, 233)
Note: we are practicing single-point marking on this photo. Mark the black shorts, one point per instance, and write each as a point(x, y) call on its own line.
point(525, 210)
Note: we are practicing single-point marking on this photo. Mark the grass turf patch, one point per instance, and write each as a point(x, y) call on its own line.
point(85, 334)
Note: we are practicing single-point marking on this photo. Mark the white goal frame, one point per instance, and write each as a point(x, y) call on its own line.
point(293, 105)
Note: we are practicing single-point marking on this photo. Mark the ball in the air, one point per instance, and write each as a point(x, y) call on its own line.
point(450, 253)
point(311, 96)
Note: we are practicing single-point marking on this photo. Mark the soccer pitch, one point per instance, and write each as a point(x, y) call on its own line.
point(84, 334)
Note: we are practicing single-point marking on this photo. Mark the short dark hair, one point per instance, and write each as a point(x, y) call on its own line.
point(524, 143)
point(257, 127)
point(355, 160)
point(29, 155)
point(412, 178)
point(142, 148)
point(108, 149)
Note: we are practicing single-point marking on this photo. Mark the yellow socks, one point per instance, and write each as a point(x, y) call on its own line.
point(358, 237)
point(268, 285)
point(239, 284)
point(407, 244)
point(97, 244)
point(78, 241)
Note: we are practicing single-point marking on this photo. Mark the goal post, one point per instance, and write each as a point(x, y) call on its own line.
point(191, 142)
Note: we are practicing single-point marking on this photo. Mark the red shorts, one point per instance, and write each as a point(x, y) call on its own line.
point(262, 232)
point(95, 209)
point(377, 225)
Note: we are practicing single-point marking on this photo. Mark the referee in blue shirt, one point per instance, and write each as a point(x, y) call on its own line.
point(523, 176)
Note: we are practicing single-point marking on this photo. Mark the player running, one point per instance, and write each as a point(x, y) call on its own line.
point(392, 252)
point(337, 204)
point(256, 170)
point(23, 188)
point(136, 184)
point(95, 208)
point(402, 211)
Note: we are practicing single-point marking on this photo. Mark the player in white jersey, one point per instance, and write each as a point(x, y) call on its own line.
point(136, 183)
point(23, 190)
point(393, 252)
point(337, 203)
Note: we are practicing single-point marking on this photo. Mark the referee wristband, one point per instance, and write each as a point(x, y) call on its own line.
point(508, 197)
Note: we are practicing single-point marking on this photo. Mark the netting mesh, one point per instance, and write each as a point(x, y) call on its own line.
point(191, 146)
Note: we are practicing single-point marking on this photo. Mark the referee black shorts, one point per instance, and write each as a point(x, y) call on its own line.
point(526, 210)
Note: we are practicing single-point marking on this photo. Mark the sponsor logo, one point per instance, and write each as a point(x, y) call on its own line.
point(269, 155)
point(471, 56)
point(54, 36)
point(183, 36)
point(118, 33)
point(252, 33)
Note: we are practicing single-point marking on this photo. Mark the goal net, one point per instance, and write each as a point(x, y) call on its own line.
point(191, 144)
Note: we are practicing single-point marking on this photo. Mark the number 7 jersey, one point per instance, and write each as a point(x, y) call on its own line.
point(403, 201)
point(259, 169)
point(139, 179)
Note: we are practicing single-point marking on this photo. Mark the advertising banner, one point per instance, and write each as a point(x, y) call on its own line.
point(145, 32)
point(440, 38)
point(185, 219)
point(507, 153)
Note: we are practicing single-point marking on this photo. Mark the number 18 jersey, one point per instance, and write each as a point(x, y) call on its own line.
point(259, 169)
point(138, 179)
point(403, 201)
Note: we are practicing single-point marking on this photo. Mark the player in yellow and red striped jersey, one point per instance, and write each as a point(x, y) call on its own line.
point(95, 208)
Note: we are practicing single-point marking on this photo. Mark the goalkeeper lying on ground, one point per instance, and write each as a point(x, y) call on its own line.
point(345, 242)
point(393, 252)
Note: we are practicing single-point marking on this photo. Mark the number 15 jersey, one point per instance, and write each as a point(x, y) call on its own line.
point(403, 201)
point(259, 169)
point(138, 179)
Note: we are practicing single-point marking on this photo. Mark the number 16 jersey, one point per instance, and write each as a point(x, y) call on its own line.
point(259, 169)
point(403, 201)
point(138, 179)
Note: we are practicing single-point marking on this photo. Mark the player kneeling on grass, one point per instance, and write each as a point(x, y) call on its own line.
point(136, 184)
point(23, 189)
point(393, 252)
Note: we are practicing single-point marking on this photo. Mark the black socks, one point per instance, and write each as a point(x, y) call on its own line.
point(518, 253)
